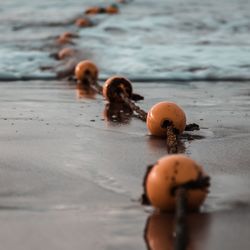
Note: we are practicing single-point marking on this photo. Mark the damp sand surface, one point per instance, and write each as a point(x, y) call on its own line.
point(71, 179)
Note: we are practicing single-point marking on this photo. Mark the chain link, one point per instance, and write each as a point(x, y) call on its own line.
point(98, 87)
point(141, 113)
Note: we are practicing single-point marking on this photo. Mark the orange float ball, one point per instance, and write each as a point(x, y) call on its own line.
point(94, 10)
point(63, 40)
point(66, 37)
point(85, 69)
point(112, 9)
point(82, 22)
point(169, 172)
point(65, 52)
point(115, 86)
point(165, 112)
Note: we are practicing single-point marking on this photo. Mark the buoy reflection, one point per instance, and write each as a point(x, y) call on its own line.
point(85, 92)
point(159, 231)
point(117, 112)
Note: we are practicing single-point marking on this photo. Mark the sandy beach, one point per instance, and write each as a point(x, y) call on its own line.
point(70, 178)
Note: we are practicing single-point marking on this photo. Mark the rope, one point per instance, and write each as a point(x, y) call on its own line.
point(98, 87)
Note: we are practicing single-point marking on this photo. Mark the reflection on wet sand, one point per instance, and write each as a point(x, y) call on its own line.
point(159, 231)
point(117, 112)
point(85, 91)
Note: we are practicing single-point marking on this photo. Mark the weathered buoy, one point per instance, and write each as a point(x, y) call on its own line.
point(169, 174)
point(94, 10)
point(163, 114)
point(66, 52)
point(86, 72)
point(112, 9)
point(115, 87)
point(66, 37)
point(69, 35)
point(82, 22)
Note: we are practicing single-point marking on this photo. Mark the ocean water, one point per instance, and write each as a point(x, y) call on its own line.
point(171, 39)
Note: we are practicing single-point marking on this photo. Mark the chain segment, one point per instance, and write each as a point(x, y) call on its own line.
point(140, 112)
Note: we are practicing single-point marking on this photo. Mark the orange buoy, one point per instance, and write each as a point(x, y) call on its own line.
point(69, 35)
point(63, 40)
point(66, 52)
point(94, 10)
point(162, 113)
point(121, 1)
point(115, 86)
point(86, 71)
point(82, 22)
point(171, 172)
point(112, 9)
point(66, 37)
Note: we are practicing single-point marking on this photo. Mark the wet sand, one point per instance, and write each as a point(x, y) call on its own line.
point(71, 180)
